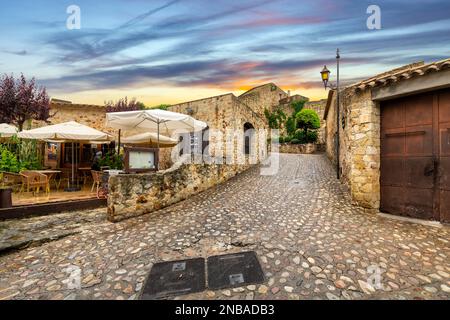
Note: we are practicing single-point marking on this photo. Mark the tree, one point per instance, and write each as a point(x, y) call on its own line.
point(124, 105)
point(22, 100)
point(307, 120)
point(298, 106)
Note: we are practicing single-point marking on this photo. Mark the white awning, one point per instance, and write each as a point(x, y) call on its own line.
point(150, 138)
point(68, 131)
point(7, 130)
point(151, 120)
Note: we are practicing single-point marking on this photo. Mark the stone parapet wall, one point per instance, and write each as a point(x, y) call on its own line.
point(308, 148)
point(137, 194)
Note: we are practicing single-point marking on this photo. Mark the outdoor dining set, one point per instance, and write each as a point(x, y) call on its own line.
point(51, 179)
point(79, 177)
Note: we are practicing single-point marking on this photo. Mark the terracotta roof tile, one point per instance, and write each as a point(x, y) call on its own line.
point(402, 73)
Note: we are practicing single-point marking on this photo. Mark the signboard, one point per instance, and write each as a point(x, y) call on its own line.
point(141, 159)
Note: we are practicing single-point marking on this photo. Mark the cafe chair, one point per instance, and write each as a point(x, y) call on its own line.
point(97, 178)
point(31, 180)
point(12, 180)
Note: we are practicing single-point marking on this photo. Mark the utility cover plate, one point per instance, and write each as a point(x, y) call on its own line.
point(234, 270)
point(175, 278)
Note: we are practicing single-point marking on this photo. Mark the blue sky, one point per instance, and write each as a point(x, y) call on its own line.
point(170, 51)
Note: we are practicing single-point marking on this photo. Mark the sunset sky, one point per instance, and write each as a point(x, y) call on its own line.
point(174, 51)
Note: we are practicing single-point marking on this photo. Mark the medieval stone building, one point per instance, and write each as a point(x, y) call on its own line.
point(224, 114)
point(394, 133)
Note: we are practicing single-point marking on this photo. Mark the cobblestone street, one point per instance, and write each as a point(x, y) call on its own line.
point(311, 242)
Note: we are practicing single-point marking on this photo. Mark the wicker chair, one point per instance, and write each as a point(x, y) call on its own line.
point(31, 179)
point(13, 180)
point(97, 178)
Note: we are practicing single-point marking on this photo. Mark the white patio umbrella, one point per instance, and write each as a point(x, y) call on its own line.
point(151, 138)
point(69, 131)
point(154, 120)
point(7, 130)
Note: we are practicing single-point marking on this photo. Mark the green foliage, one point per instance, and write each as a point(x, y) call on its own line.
point(281, 139)
point(29, 155)
point(307, 120)
point(19, 156)
point(291, 126)
point(112, 160)
point(295, 141)
point(8, 160)
point(287, 139)
point(275, 118)
point(297, 106)
point(141, 105)
point(161, 107)
point(309, 137)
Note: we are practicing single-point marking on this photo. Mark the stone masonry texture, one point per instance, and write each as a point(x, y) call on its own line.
point(359, 145)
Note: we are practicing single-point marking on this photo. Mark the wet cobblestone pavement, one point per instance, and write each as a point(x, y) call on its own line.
point(311, 242)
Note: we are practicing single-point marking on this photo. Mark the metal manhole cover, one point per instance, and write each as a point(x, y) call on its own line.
point(234, 270)
point(175, 278)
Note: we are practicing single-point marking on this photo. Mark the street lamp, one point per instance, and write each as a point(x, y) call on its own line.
point(325, 75)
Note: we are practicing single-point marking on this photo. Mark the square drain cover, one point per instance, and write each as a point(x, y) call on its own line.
point(175, 278)
point(234, 270)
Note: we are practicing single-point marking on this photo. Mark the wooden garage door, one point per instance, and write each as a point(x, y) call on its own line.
point(415, 156)
point(444, 155)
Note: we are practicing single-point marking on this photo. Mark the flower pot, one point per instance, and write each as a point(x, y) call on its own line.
point(5, 198)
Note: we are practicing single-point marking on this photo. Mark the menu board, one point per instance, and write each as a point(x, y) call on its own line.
point(141, 159)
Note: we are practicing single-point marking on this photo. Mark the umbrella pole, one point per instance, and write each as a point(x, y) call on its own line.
point(157, 164)
point(73, 160)
point(118, 147)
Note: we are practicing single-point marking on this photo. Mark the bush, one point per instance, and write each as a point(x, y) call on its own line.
point(23, 155)
point(8, 161)
point(281, 139)
point(310, 137)
point(111, 160)
point(295, 141)
point(287, 139)
point(307, 119)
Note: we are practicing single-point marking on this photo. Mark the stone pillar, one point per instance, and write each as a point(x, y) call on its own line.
point(364, 156)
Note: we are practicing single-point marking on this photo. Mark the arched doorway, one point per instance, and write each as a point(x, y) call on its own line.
point(249, 131)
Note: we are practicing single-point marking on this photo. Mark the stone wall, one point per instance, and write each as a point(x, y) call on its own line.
point(137, 194)
point(359, 145)
point(267, 96)
point(298, 148)
point(224, 115)
point(91, 115)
